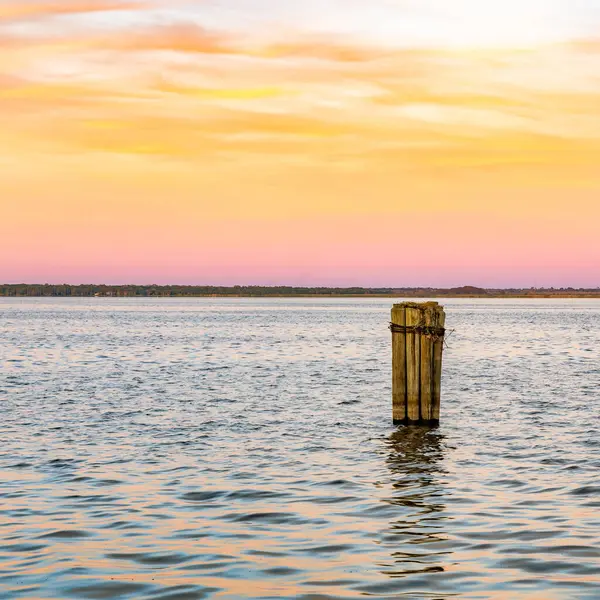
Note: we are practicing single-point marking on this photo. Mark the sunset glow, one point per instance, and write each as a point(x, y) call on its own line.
point(354, 142)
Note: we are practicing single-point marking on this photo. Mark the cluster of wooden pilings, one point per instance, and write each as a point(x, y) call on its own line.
point(417, 345)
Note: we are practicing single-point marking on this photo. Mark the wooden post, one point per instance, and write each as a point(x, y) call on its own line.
point(417, 345)
point(427, 375)
point(399, 365)
point(413, 359)
point(438, 348)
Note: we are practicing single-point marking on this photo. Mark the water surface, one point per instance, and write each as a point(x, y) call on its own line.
point(243, 448)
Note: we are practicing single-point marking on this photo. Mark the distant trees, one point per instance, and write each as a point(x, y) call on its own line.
point(90, 290)
point(468, 290)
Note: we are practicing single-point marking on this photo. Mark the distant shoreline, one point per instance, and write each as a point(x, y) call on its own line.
point(336, 296)
point(192, 291)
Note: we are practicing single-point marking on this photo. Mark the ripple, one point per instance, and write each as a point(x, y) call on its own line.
point(23, 547)
point(275, 518)
point(98, 590)
point(587, 490)
point(145, 558)
point(183, 592)
point(65, 534)
point(201, 496)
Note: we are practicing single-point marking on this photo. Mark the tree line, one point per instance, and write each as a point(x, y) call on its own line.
point(92, 290)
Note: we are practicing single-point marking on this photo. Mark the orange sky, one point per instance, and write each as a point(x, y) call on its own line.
point(374, 142)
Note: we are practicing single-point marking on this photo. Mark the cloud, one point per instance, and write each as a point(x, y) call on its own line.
point(589, 45)
point(320, 48)
point(308, 99)
point(189, 37)
point(175, 37)
point(11, 11)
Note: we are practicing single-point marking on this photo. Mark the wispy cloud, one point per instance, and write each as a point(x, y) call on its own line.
point(306, 97)
point(11, 10)
point(174, 37)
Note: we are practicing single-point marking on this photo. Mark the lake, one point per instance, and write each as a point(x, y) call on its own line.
point(243, 448)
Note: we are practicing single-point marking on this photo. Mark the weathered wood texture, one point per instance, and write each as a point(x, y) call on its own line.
point(413, 357)
point(417, 345)
point(426, 364)
point(399, 366)
point(438, 348)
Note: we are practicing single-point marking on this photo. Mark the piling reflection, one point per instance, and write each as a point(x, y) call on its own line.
point(416, 539)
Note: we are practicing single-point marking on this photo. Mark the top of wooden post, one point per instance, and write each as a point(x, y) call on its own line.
point(419, 305)
point(432, 313)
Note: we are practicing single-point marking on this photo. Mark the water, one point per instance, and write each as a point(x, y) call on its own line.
point(208, 448)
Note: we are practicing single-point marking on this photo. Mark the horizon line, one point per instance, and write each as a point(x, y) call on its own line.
point(304, 287)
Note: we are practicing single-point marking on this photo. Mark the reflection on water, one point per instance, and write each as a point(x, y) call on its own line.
point(182, 449)
point(416, 538)
point(415, 460)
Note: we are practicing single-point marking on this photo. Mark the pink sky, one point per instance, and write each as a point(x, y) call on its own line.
point(257, 142)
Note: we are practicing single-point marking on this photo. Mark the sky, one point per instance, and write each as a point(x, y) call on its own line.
point(321, 142)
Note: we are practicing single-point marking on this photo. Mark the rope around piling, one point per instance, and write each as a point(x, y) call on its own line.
point(430, 331)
